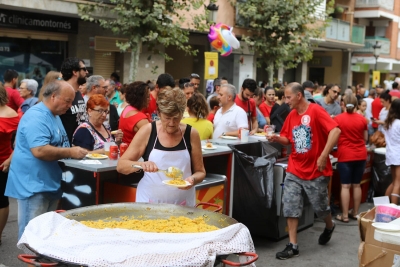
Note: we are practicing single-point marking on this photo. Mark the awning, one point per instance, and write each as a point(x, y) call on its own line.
point(388, 64)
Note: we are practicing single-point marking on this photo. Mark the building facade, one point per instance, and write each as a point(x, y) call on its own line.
point(381, 19)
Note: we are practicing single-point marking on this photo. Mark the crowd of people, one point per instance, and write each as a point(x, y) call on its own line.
point(163, 122)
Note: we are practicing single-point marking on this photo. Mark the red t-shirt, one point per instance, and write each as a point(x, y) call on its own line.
point(14, 98)
point(210, 117)
point(351, 145)
point(265, 109)
point(151, 110)
point(308, 134)
point(128, 124)
point(7, 127)
point(245, 105)
point(376, 107)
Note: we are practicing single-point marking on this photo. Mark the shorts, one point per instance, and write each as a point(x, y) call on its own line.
point(3, 181)
point(316, 191)
point(351, 172)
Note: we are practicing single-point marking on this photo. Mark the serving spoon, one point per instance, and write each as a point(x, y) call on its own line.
point(171, 172)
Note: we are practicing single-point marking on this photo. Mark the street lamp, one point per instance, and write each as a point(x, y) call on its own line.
point(212, 12)
point(377, 51)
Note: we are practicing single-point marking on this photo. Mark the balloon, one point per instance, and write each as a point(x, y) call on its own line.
point(223, 39)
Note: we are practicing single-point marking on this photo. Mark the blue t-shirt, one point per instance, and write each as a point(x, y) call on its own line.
point(29, 175)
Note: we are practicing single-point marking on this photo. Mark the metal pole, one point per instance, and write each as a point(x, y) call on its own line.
point(376, 63)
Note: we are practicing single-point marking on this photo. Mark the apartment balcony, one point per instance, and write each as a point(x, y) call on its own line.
point(340, 34)
point(370, 41)
point(386, 4)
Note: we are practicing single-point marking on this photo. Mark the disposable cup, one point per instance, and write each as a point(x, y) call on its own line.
point(244, 135)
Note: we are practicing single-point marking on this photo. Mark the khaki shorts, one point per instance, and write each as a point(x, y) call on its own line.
point(316, 191)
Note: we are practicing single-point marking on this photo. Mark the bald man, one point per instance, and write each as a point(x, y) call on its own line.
point(35, 176)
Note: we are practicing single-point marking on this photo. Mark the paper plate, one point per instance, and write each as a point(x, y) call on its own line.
point(96, 156)
point(258, 136)
point(209, 148)
point(176, 185)
point(388, 227)
point(229, 137)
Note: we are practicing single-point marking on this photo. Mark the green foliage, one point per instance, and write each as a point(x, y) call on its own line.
point(281, 31)
point(147, 23)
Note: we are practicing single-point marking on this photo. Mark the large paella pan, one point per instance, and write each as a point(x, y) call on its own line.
point(51, 237)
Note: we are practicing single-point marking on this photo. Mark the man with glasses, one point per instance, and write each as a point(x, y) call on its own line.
point(96, 84)
point(328, 102)
point(195, 80)
point(74, 72)
point(35, 176)
point(245, 100)
point(112, 95)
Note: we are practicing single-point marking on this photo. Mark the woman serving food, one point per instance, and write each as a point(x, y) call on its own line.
point(163, 144)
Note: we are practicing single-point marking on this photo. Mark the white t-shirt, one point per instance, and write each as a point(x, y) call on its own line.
point(392, 138)
point(382, 117)
point(368, 111)
point(233, 119)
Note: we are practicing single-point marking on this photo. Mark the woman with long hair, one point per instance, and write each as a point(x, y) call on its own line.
point(198, 111)
point(386, 101)
point(352, 155)
point(391, 129)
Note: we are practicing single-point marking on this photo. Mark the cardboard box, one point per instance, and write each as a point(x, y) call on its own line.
point(377, 256)
point(364, 221)
point(373, 253)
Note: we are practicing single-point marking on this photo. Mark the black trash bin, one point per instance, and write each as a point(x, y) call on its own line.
point(381, 174)
point(257, 191)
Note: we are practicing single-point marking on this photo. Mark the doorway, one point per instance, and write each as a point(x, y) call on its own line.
point(317, 75)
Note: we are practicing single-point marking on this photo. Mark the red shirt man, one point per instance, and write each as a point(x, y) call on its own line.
point(312, 134)
point(14, 98)
point(245, 100)
point(376, 106)
point(10, 84)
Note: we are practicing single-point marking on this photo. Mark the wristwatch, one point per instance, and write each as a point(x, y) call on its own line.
point(223, 134)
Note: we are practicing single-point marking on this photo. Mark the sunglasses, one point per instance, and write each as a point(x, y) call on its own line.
point(194, 75)
point(188, 85)
point(83, 68)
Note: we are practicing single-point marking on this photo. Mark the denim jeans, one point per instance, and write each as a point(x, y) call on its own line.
point(32, 207)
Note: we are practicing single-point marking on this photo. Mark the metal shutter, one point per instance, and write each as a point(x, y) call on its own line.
point(104, 63)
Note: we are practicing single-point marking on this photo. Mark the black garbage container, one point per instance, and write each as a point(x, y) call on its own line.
point(381, 174)
point(257, 191)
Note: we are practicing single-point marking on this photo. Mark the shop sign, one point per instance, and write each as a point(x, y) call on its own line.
point(320, 61)
point(360, 67)
point(38, 22)
point(211, 65)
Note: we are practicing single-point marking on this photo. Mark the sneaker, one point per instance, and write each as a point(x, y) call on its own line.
point(288, 252)
point(326, 235)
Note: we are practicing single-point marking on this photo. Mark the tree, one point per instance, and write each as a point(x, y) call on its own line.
point(281, 31)
point(147, 23)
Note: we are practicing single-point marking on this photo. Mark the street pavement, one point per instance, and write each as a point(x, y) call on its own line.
point(340, 251)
